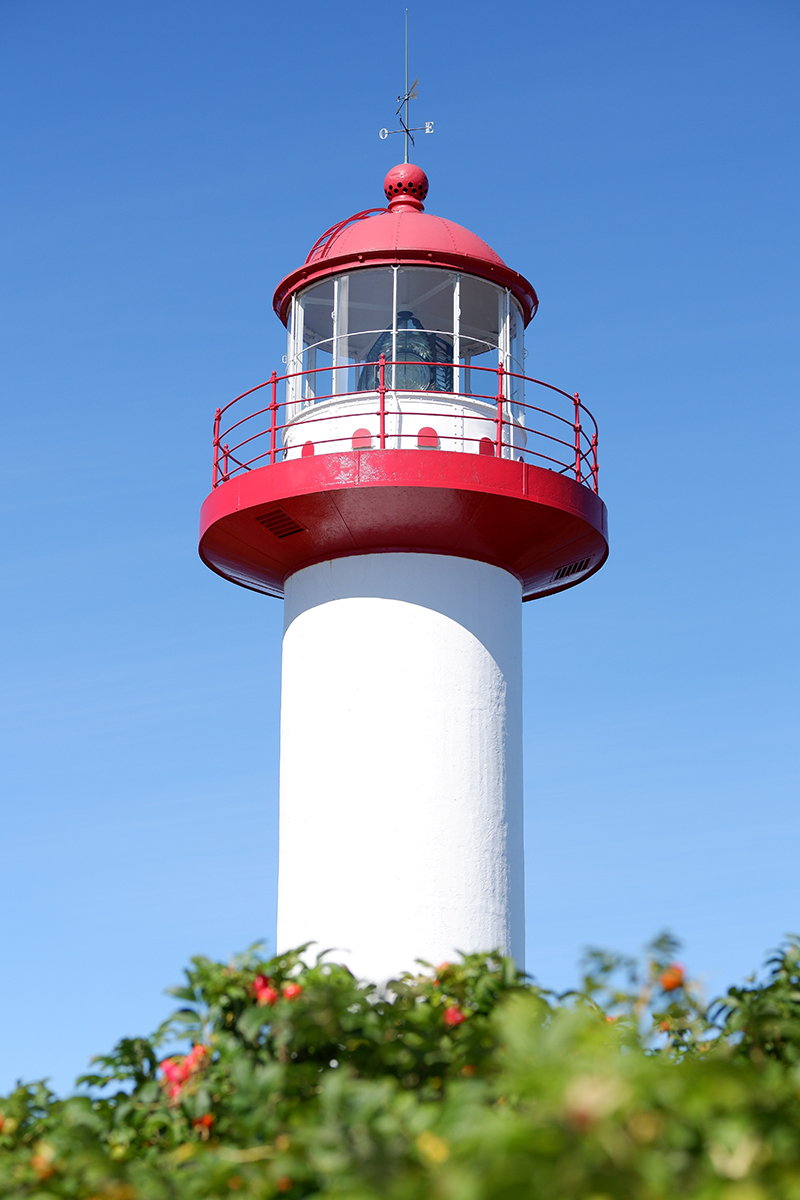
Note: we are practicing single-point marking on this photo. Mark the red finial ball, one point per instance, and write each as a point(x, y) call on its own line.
point(406, 182)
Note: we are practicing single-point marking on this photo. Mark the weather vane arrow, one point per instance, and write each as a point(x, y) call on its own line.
point(403, 103)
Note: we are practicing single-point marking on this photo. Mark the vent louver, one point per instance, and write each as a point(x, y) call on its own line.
point(572, 569)
point(278, 521)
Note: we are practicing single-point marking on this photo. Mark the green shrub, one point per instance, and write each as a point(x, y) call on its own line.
point(465, 1082)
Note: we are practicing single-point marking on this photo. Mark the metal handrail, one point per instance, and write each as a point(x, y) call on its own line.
point(582, 446)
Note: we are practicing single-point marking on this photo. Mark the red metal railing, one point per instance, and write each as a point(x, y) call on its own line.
point(578, 442)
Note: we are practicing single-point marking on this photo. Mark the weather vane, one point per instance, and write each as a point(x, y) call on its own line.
point(402, 103)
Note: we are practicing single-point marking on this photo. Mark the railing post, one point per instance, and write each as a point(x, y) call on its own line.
point(224, 462)
point(382, 400)
point(594, 461)
point(577, 428)
point(273, 408)
point(215, 472)
point(500, 399)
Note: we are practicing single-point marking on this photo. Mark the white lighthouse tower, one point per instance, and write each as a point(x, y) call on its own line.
point(404, 486)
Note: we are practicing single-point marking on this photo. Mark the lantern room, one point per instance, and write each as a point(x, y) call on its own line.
point(439, 323)
point(405, 334)
point(443, 331)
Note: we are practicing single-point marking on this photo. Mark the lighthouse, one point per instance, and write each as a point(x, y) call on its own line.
point(405, 484)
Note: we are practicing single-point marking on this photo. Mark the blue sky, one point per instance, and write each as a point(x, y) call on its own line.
point(165, 164)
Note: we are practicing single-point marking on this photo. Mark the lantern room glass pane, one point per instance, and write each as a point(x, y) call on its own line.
point(516, 353)
point(421, 341)
point(424, 345)
point(479, 334)
point(315, 310)
point(364, 320)
point(427, 294)
point(516, 364)
point(369, 310)
point(318, 313)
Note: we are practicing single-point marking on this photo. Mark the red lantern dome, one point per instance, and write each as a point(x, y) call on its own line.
point(403, 233)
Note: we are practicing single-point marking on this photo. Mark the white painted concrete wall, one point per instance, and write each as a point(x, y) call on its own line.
point(401, 761)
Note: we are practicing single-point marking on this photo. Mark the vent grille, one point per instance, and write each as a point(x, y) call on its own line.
point(572, 569)
point(278, 521)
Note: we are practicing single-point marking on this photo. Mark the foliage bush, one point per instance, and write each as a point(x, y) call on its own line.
point(465, 1082)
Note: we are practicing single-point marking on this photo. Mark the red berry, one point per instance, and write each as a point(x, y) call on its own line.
point(263, 990)
point(173, 1070)
point(291, 990)
point(204, 1122)
point(193, 1059)
point(454, 1016)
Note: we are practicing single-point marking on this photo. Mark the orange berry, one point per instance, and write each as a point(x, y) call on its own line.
point(290, 991)
point(672, 977)
point(42, 1165)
